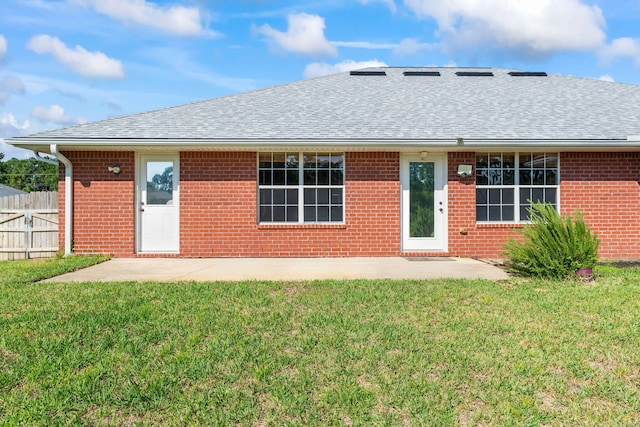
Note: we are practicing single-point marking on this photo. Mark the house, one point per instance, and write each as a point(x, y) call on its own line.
point(376, 162)
point(5, 190)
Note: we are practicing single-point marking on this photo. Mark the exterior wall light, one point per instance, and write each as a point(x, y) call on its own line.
point(115, 168)
point(464, 171)
point(423, 155)
point(460, 140)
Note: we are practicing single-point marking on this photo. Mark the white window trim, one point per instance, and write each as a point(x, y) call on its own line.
point(516, 187)
point(300, 187)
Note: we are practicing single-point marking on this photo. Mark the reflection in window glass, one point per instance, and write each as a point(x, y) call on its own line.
point(159, 183)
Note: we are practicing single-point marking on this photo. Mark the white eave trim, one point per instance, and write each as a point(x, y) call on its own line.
point(632, 143)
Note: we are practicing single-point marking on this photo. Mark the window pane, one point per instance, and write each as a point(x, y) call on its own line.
point(265, 213)
point(323, 213)
point(336, 196)
point(323, 177)
point(551, 161)
point(538, 177)
point(494, 196)
point(278, 197)
point(323, 160)
point(292, 197)
point(292, 161)
point(309, 213)
point(482, 177)
point(293, 177)
point(421, 199)
point(159, 183)
point(494, 213)
point(309, 160)
point(278, 214)
point(495, 177)
point(508, 177)
point(265, 197)
point(482, 161)
point(507, 213)
point(525, 177)
point(278, 177)
point(481, 213)
point(309, 196)
point(310, 177)
point(537, 195)
point(525, 195)
point(509, 161)
point(525, 161)
point(279, 160)
point(482, 196)
point(550, 196)
point(265, 177)
point(323, 196)
point(292, 214)
point(507, 196)
point(337, 177)
point(337, 161)
point(495, 161)
point(551, 177)
point(336, 213)
point(524, 214)
point(264, 160)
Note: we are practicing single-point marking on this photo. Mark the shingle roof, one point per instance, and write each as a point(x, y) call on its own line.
point(393, 107)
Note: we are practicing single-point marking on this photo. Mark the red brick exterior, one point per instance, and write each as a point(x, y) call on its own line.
point(218, 207)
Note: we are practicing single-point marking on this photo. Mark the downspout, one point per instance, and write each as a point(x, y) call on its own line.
point(44, 159)
point(68, 199)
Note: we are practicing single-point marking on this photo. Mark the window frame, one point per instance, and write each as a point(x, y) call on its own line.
point(300, 187)
point(517, 187)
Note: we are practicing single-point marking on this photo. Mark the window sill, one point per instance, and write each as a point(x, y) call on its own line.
point(499, 225)
point(303, 226)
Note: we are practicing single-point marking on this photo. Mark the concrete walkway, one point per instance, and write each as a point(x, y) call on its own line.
point(211, 269)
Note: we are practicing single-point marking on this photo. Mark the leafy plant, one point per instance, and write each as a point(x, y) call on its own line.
point(552, 246)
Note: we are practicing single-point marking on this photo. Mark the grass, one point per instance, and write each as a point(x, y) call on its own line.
point(396, 353)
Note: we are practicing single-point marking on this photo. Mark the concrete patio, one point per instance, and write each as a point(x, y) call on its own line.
point(234, 269)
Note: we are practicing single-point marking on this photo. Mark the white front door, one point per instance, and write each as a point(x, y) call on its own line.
point(424, 203)
point(158, 200)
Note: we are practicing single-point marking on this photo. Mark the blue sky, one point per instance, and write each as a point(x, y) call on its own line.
point(64, 62)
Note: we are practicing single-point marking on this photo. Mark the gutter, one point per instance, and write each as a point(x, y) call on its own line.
point(68, 199)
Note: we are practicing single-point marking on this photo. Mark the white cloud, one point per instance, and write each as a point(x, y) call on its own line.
point(54, 114)
point(9, 128)
point(410, 47)
point(606, 78)
point(10, 85)
point(390, 3)
point(305, 35)
point(179, 20)
point(318, 69)
point(522, 27)
point(624, 47)
point(366, 45)
point(78, 59)
point(3, 46)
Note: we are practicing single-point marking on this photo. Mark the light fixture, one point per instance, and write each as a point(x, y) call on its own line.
point(464, 171)
point(423, 155)
point(460, 140)
point(115, 168)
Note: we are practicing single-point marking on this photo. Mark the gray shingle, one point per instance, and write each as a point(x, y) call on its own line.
point(345, 107)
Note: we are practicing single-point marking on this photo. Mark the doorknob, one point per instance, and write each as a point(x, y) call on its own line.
point(142, 209)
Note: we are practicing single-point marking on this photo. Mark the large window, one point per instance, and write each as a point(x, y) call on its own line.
point(300, 187)
point(506, 182)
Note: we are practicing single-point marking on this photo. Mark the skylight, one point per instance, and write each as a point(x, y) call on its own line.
point(528, 74)
point(422, 73)
point(474, 73)
point(367, 73)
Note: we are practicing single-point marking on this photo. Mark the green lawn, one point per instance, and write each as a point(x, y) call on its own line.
point(397, 353)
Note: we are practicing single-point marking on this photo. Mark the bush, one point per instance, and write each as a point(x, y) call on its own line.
point(553, 246)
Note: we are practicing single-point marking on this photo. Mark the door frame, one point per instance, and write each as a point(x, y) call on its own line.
point(440, 200)
point(139, 159)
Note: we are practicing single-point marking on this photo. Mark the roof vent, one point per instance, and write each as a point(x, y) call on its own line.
point(367, 73)
point(422, 73)
point(527, 74)
point(474, 73)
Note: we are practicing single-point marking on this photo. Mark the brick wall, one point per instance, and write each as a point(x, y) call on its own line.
point(604, 186)
point(103, 212)
point(218, 207)
point(218, 210)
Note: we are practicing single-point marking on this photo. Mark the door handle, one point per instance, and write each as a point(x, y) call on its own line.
point(141, 209)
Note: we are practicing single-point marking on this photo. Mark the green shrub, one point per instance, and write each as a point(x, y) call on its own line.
point(553, 246)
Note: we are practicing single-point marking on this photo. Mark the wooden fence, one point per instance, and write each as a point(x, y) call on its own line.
point(29, 225)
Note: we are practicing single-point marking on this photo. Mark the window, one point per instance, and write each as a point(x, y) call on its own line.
point(505, 182)
point(300, 187)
